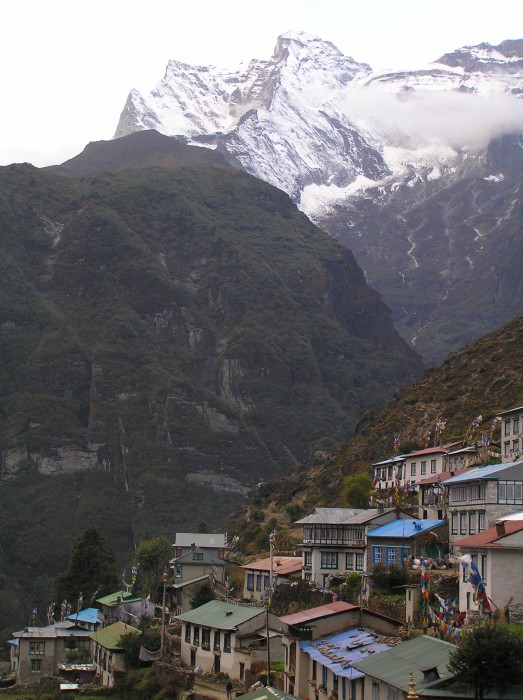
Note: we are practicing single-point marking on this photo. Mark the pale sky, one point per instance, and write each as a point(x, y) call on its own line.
point(67, 66)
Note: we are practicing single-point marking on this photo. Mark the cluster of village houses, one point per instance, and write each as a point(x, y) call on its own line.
point(337, 651)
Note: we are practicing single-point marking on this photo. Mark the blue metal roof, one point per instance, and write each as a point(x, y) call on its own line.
point(405, 529)
point(89, 615)
point(339, 651)
point(489, 471)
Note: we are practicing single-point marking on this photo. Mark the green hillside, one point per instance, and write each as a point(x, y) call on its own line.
point(169, 337)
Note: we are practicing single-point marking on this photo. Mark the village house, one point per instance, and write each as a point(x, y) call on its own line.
point(212, 545)
point(191, 570)
point(124, 606)
point(511, 434)
point(257, 575)
point(317, 662)
point(89, 618)
point(387, 674)
point(481, 496)
point(394, 543)
point(404, 471)
point(498, 555)
point(334, 540)
point(40, 650)
point(107, 652)
point(227, 638)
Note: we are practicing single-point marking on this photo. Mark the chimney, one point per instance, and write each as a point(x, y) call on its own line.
point(500, 528)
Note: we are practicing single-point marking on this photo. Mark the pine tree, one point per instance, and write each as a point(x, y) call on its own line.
point(92, 568)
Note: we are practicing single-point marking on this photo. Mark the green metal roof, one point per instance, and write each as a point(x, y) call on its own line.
point(109, 637)
point(112, 598)
point(393, 666)
point(224, 616)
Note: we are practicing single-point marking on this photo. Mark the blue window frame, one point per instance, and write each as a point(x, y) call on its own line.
point(377, 554)
point(391, 555)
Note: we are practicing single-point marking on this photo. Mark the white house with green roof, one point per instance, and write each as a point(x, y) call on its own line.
point(107, 652)
point(227, 638)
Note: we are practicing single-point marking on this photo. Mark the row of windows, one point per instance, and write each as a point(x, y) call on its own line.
point(206, 638)
point(511, 450)
point(423, 467)
point(515, 426)
point(467, 493)
point(260, 580)
point(467, 522)
point(354, 561)
point(510, 492)
point(333, 533)
point(389, 555)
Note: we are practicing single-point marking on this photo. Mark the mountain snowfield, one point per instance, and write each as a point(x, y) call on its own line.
point(370, 157)
point(323, 127)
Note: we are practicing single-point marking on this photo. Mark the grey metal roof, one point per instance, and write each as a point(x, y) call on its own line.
point(394, 665)
point(390, 460)
point(199, 539)
point(510, 410)
point(330, 516)
point(508, 470)
point(51, 631)
point(224, 616)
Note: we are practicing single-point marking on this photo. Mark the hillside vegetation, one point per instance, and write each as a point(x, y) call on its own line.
point(480, 380)
point(169, 337)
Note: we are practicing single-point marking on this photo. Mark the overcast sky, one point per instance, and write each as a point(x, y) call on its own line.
point(67, 65)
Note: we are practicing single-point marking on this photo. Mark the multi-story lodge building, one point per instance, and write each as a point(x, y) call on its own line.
point(481, 496)
point(404, 471)
point(511, 434)
point(335, 540)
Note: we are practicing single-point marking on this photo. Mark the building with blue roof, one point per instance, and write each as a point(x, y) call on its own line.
point(397, 541)
point(479, 497)
point(326, 665)
point(90, 618)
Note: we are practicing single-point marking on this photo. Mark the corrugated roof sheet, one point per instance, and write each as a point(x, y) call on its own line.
point(393, 665)
point(112, 598)
point(305, 616)
point(510, 410)
point(51, 631)
point(489, 471)
point(281, 565)
point(89, 615)
point(391, 460)
point(405, 529)
point(490, 537)
point(438, 449)
point(339, 651)
point(330, 516)
point(109, 637)
point(224, 616)
point(199, 539)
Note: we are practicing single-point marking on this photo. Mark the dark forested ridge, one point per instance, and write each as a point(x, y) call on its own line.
point(169, 336)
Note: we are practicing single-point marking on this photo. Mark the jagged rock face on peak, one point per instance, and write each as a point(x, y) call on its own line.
point(418, 172)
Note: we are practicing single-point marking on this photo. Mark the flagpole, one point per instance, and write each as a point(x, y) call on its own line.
point(272, 538)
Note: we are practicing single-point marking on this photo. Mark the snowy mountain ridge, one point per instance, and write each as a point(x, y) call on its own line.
point(333, 122)
point(419, 172)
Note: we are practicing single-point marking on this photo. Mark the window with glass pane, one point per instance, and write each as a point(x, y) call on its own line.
point(349, 561)
point(329, 560)
point(359, 561)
